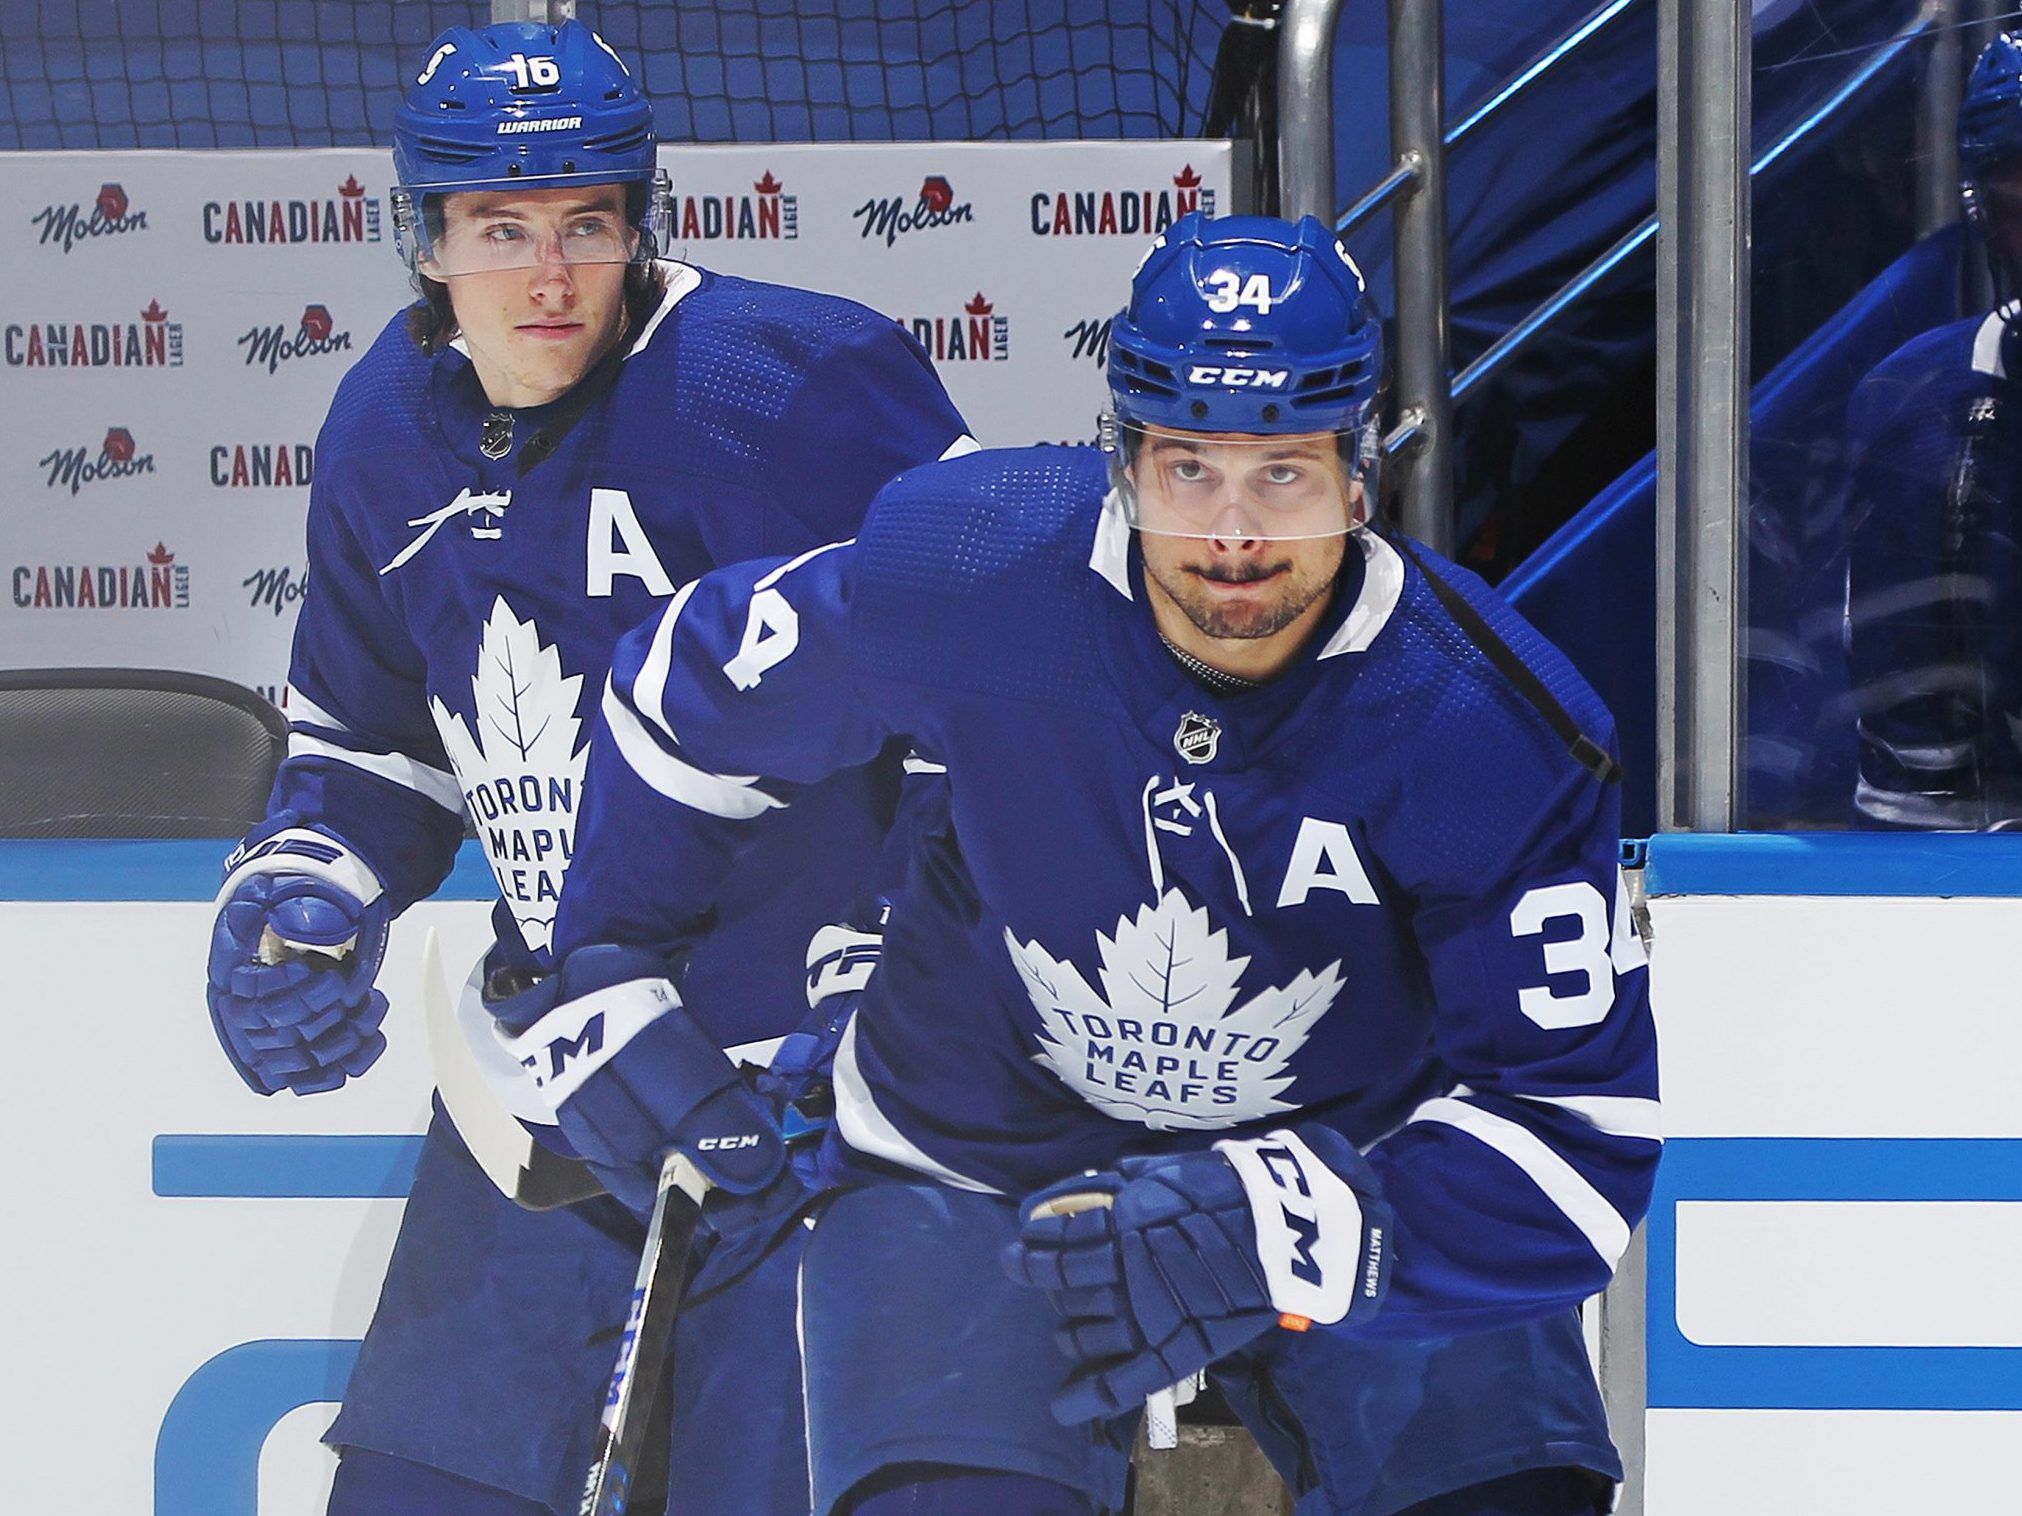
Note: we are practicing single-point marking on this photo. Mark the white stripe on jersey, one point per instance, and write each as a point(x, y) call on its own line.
point(1583, 1205)
point(774, 576)
point(867, 1129)
point(430, 783)
point(1616, 1115)
point(649, 690)
point(734, 797)
point(299, 707)
point(1382, 588)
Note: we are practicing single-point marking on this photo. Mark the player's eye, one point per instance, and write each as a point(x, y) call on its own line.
point(1189, 470)
point(1284, 473)
point(590, 226)
point(501, 231)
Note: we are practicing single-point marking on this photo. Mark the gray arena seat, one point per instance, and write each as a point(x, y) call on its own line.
point(133, 753)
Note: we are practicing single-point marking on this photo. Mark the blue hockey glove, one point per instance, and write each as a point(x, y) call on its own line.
point(840, 961)
point(1166, 1264)
point(671, 1088)
point(300, 931)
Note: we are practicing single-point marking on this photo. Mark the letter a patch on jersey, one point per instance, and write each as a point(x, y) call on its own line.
point(617, 545)
point(1168, 1046)
point(1324, 858)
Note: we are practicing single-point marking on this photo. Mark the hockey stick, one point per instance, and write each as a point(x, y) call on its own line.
point(643, 1350)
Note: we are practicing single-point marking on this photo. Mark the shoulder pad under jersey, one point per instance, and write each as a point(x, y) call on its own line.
point(974, 574)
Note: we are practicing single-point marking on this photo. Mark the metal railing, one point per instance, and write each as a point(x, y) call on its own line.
point(1415, 183)
point(1422, 441)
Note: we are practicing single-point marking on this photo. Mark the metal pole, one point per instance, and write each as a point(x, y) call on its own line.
point(1306, 108)
point(1978, 281)
point(1938, 122)
point(1424, 396)
point(1703, 93)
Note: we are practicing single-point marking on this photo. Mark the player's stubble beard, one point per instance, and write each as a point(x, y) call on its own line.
point(1309, 569)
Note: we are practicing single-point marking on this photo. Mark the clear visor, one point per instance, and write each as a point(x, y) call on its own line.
point(494, 229)
point(1232, 486)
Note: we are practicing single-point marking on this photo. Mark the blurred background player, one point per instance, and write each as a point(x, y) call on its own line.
point(1934, 580)
point(1277, 910)
point(564, 430)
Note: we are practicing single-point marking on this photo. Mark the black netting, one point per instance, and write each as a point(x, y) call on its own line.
point(320, 73)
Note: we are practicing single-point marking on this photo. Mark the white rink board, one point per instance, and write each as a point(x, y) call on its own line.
point(118, 1296)
point(1005, 259)
point(1777, 1012)
point(1834, 1322)
point(1834, 1463)
point(1839, 1273)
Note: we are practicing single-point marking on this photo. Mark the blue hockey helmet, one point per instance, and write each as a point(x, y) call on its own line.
point(1990, 117)
point(1246, 324)
point(525, 105)
point(1252, 328)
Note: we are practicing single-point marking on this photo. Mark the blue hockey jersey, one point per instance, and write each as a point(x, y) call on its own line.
point(470, 570)
point(1934, 578)
point(1376, 892)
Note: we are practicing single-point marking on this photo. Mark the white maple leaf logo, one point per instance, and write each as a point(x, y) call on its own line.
point(522, 769)
point(1160, 1045)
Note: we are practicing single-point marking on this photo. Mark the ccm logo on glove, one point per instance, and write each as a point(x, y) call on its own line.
point(728, 1144)
point(1317, 1255)
point(578, 1037)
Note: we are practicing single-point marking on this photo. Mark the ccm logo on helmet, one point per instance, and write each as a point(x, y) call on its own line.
point(1239, 378)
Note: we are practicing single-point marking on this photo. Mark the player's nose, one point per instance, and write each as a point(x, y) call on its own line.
point(1234, 524)
point(553, 277)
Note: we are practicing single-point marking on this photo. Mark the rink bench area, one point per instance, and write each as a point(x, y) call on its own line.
point(1832, 1318)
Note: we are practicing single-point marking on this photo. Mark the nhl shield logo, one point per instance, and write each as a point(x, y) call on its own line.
point(495, 437)
point(1198, 737)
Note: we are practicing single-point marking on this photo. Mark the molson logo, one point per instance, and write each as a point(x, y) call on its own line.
point(350, 215)
point(1089, 339)
point(154, 341)
point(977, 334)
point(109, 216)
point(159, 584)
point(767, 214)
point(1119, 212)
point(934, 206)
point(276, 588)
point(275, 345)
point(261, 465)
point(114, 458)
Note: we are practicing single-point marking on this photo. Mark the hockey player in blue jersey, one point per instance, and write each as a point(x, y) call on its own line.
point(1268, 1004)
point(566, 428)
point(1934, 522)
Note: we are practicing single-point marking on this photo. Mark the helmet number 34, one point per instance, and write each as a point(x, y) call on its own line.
point(534, 73)
point(1227, 291)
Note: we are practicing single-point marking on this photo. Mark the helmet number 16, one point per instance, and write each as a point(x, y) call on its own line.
point(534, 73)
point(1228, 290)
